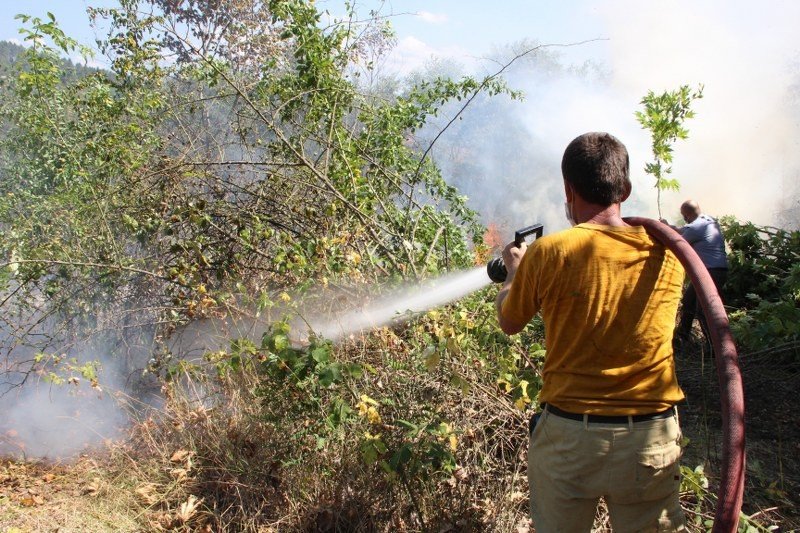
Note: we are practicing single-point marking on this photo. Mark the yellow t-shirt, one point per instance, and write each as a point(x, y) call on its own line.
point(608, 297)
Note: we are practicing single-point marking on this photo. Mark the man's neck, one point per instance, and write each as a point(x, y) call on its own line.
point(597, 214)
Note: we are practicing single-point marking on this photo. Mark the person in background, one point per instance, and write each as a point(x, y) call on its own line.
point(608, 294)
point(705, 236)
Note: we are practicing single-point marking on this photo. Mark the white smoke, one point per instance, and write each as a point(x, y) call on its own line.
point(57, 411)
point(742, 156)
point(743, 143)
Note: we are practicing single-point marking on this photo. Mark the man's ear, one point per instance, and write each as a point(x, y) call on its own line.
point(628, 189)
point(569, 192)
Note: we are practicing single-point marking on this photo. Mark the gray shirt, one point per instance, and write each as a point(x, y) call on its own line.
point(706, 238)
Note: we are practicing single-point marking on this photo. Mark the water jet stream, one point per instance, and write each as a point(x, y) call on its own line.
point(401, 305)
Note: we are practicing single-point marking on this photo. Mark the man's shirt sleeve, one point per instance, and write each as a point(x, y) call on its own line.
point(523, 300)
point(693, 232)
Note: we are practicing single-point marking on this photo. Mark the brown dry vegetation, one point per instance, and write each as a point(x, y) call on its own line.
point(243, 459)
point(771, 381)
point(85, 494)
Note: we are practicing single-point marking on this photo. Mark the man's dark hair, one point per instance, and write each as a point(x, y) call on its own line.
point(596, 164)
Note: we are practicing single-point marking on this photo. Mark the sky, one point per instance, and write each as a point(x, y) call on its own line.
point(467, 30)
point(462, 29)
point(741, 156)
point(70, 14)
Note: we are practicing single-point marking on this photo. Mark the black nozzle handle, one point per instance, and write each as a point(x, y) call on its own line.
point(520, 234)
point(496, 269)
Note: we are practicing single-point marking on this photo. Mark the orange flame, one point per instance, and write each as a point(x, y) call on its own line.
point(492, 242)
point(492, 237)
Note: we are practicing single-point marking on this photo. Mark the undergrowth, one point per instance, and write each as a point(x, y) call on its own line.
point(421, 427)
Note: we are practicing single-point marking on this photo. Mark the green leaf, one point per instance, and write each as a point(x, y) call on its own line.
point(355, 370)
point(400, 457)
point(457, 381)
point(280, 342)
point(369, 454)
point(432, 358)
point(321, 354)
point(330, 374)
point(408, 425)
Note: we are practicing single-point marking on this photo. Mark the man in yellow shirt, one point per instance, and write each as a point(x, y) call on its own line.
point(608, 294)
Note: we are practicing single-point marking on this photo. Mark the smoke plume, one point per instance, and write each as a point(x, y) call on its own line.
point(742, 154)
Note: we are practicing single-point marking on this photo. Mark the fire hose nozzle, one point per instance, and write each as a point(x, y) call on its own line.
point(496, 268)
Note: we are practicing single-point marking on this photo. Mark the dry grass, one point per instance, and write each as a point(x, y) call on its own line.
point(82, 496)
point(771, 380)
point(253, 453)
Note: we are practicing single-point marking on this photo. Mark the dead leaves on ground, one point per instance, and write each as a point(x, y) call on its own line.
point(31, 500)
point(26, 484)
point(30, 485)
point(92, 487)
point(188, 509)
point(187, 514)
point(181, 473)
point(148, 494)
point(180, 455)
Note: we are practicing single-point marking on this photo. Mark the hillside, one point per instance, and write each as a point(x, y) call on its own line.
point(177, 234)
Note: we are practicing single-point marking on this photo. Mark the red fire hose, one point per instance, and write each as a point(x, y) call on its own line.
point(731, 488)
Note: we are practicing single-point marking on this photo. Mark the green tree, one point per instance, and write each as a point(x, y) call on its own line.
point(164, 191)
point(72, 217)
point(664, 115)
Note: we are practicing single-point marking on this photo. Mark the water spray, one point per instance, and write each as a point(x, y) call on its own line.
point(406, 302)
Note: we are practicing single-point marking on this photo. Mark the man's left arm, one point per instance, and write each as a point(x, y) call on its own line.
point(508, 325)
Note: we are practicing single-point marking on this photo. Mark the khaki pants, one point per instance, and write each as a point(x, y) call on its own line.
point(633, 466)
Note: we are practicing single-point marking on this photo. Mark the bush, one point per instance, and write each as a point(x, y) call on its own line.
point(418, 427)
point(763, 286)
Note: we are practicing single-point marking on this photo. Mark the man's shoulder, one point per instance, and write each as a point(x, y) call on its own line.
point(561, 238)
point(705, 220)
point(696, 226)
point(559, 235)
point(585, 233)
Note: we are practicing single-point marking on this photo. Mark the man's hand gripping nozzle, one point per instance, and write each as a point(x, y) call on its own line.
point(496, 269)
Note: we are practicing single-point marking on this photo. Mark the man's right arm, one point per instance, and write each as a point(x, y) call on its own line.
point(509, 326)
point(692, 232)
point(512, 257)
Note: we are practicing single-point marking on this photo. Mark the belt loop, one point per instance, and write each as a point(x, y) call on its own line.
point(630, 423)
point(585, 421)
